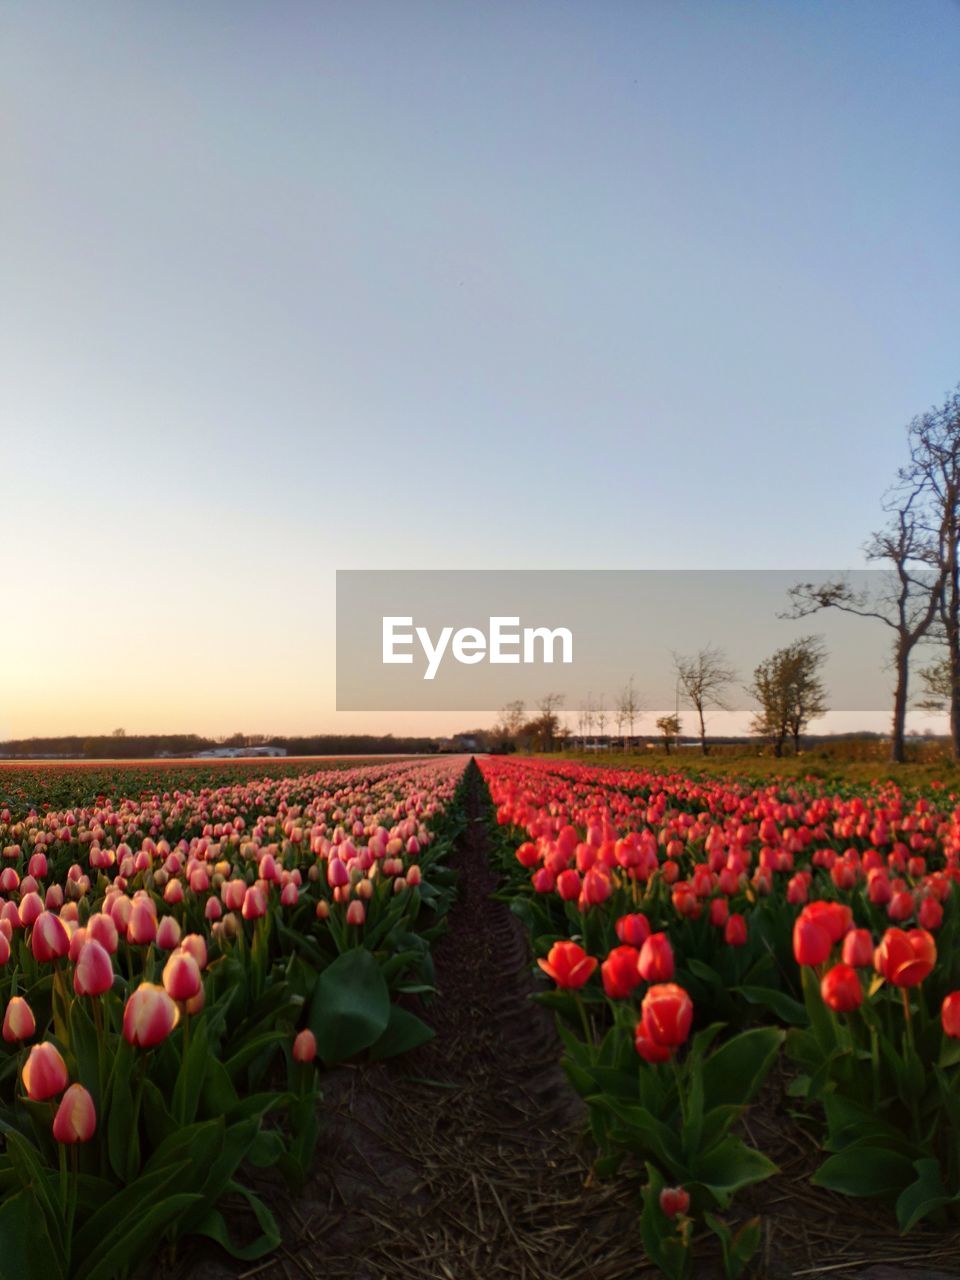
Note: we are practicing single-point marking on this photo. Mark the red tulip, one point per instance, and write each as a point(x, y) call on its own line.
point(858, 949)
point(647, 1048)
point(633, 929)
point(620, 973)
point(811, 942)
point(656, 959)
point(905, 959)
point(305, 1046)
point(568, 884)
point(950, 1015)
point(44, 1074)
point(76, 1118)
point(93, 972)
point(149, 1016)
point(568, 965)
point(930, 915)
point(719, 912)
point(735, 931)
point(18, 1021)
point(674, 1201)
point(841, 990)
point(667, 1014)
point(835, 917)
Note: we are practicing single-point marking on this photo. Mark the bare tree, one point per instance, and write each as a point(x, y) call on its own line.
point(704, 677)
point(513, 715)
point(934, 469)
point(589, 710)
point(937, 685)
point(601, 715)
point(549, 720)
point(669, 727)
point(907, 602)
point(629, 706)
point(788, 687)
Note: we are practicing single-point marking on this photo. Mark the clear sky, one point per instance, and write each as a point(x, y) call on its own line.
point(292, 287)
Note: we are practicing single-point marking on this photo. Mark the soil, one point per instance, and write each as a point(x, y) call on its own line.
point(467, 1159)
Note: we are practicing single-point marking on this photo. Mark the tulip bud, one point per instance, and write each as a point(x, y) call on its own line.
point(44, 1074)
point(656, 959)
point(168, 933)
point(735, 931)
point(356, 912)
point(49, 939)
point(950, 1015)
point(254, 903)
point(196, 945)
point(667, 1012)
point(841, 990)
point(305, 1046)
point(93, 972)
point(674, 1201)
point(76, 1118)
point(18, 1021)
point(149, 1016)
point(181, 976)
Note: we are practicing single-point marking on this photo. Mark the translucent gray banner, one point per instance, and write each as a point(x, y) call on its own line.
point(474, 640)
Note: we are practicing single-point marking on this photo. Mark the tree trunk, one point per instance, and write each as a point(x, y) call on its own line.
point(703, 732)
point(952, 589)
point(898, 750)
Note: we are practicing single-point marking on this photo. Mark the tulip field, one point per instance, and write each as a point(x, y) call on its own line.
point(188, 954)
point(176, 963)
point(698, 934)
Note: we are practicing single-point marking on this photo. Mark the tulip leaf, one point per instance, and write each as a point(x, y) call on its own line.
point(193, 1066)
point(350, 1007)
point(123, 1144)
point(215, 1227)
point(730, 1166)
point(735, 1071)
point(863, 1169)
point(922, 1197)
point(113, 1213)
point(404, 1031)
point(25, 1250)
point(133, 1236)
point(785, 1007)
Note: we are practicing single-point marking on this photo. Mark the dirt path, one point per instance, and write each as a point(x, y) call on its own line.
point(463, 1160)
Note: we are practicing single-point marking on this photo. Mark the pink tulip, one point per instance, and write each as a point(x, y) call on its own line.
point(93, 973)
point(49, 939)
point(44, 1074)
point(181, 976)
point(76, 1118)
point(18, 1021)
point(149, 1016)
point(305, 1046)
